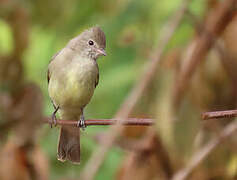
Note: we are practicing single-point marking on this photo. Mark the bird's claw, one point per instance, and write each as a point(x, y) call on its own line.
point(81, 123)
point(53, 120)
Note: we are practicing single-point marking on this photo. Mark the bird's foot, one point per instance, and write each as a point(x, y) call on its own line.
point(81, 123)
point(54, 118)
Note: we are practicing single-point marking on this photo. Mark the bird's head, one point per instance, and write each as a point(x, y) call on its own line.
point(90, 43)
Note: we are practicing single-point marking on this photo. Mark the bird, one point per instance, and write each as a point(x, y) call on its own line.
point(73, 75)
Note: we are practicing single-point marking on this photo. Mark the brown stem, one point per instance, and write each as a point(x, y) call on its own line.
point(219, 114)
point(99, 122)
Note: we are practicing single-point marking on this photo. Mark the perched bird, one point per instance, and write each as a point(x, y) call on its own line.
point(73, 75)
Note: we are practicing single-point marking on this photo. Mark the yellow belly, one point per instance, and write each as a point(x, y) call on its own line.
point(73, 89)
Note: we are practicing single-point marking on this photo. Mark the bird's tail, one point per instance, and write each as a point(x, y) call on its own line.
point(69, 144)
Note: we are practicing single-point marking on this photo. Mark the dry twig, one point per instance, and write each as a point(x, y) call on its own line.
point(126, 121)
point(219, 114)
point(98, 122)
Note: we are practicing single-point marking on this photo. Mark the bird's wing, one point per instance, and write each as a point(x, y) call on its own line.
point(48, 72)
point(97, 77)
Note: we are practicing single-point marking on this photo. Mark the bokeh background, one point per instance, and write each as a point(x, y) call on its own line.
point(183, 51)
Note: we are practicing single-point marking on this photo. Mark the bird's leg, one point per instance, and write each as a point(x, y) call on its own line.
point(54, 119)
point(81, 122)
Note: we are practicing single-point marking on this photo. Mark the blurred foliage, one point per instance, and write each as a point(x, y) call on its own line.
point(132, 30)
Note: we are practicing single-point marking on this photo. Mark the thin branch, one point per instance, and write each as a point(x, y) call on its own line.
point(131, 121)
point(219, 114)
point(125, 121)
point(203, 153)
point(98, 156)
point(99, 122)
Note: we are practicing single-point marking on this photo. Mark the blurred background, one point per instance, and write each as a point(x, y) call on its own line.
point(180, 57)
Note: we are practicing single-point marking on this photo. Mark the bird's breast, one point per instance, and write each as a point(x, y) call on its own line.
point(76, 84)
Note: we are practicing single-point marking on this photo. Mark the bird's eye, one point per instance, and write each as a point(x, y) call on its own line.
point(91, 43)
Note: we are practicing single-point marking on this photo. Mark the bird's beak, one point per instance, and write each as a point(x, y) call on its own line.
point(101, 52)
